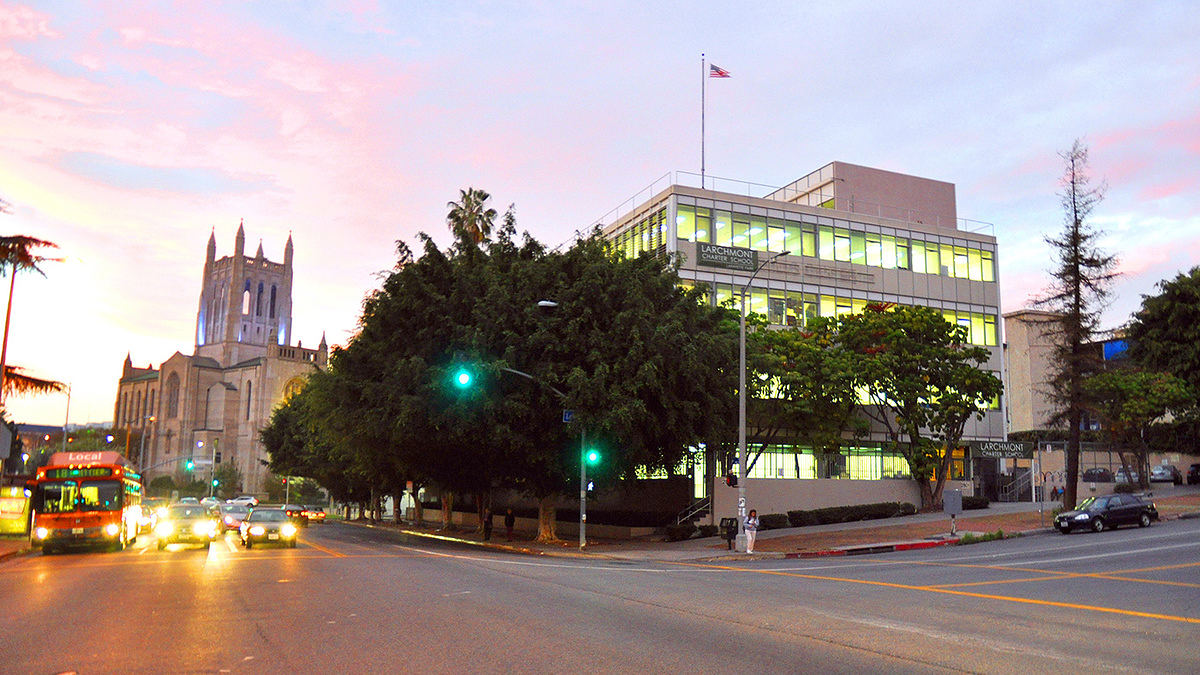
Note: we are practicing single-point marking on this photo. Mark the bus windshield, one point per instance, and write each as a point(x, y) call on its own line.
point(68, 495)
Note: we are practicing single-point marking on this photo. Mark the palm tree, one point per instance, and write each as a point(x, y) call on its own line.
point(468, 216)
point(17, 382)
point(16, 255)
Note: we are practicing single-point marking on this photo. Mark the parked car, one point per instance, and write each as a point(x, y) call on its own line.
point(263, 526)
point(189, 500)
point(231, 516)
point(314, 514)
point(186, 523)
point(1098, 475)
point(1109, 511)
point(209, 501)
point(1193, 476)
point(1127, 477)
point(1166, 473)
point(296, 513)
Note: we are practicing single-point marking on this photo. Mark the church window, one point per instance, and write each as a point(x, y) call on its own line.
point(138, 406)
point(272, 301)
point(173, 395)
point(259, 302)
point(150, 404)
point(246, 299)
point(292, 388)
point(248, 388)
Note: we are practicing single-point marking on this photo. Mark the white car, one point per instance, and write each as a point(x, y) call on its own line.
point(245, 499)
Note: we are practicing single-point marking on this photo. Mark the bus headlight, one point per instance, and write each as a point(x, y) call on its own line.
point(288, 530)
point(112, 529)
point(41, 532)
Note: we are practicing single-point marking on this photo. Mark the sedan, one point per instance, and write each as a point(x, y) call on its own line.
point(1098, 475)
point(231, 516)
point(314, 513)
point(186, 523)
point(268, 526)
point(296, 513)
point(1110, 511)
point(1193, 474)
point(1166, 473)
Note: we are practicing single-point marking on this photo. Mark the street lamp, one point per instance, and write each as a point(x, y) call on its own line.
point(142, 448)
point(742, 473)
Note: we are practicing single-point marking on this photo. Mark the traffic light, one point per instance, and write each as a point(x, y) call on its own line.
point(731, 480)
point(217, 457)
point(190, 464)
point(216, 482)
point(463, 377)
point(592, 456)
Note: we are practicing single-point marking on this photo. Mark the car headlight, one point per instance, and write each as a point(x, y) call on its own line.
point(164, 528)
point(205, 528)
point(288, 530)
point(1082, 516)
point(112, 529)
point(41, 532)
point(228, 520)
point(257, 530)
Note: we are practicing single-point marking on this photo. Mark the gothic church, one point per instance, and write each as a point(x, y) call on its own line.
point(213, 403)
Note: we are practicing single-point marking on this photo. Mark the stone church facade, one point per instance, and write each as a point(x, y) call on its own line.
point(215, 401)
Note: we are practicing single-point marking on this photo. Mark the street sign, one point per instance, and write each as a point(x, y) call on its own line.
point(568, 416)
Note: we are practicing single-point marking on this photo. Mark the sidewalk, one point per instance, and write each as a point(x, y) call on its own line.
point(922, 530)
point(11, 546)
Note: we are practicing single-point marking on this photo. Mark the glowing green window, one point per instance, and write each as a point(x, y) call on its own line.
point(841, 245)
point(902, 254)
point(828, 305)
point(985, 261)
point(685, 223)
point(810, 242)
point(974, 267)
point(932, 262)
point(758, 234)
point(887, 252)
point(703, 226)
point(961, 264)
point(741, 234)
point(858, 248)
point(826, 243)
point(978, 331)
point(724, 231)
point(793, 236)
point(989, 331)
point(918, 256)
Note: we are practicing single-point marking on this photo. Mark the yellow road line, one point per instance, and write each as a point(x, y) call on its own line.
point(947, 591)
point(322, 549)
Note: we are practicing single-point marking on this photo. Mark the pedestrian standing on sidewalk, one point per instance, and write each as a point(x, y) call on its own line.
point(751, 530)
point(509, 521)
point(487, 525)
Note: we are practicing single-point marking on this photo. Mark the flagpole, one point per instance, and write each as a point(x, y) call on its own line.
point(703, 78)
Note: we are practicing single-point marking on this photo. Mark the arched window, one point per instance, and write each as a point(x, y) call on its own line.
point(173, 395)
point(150, 405)
point(259, 302)
point(246, 299)
point(272, 301)
point(248, 389)
point(293, 387)
point(138, 407)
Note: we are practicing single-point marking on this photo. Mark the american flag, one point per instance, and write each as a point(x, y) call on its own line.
point(717, 71)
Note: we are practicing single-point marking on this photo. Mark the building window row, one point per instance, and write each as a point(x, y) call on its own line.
point(794, 308)
point(825, 242)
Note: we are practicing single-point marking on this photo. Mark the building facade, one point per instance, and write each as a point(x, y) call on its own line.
point(853, 235)
point(210, 405)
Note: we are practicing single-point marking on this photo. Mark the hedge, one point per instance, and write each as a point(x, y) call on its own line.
point(681, 531)
point(773, 521)
point(974, 502)
point(846, 514)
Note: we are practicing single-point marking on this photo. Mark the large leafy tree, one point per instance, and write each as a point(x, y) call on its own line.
point(924, 383)
point(1078, 292)
point(1163, 332)
point(804, 387)
point(1129, 403)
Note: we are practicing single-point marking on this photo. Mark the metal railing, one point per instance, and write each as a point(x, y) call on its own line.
point(697, 508)
point(1012, 491)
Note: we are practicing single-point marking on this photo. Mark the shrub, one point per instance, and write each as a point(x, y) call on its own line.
point(681, 531)
point(1125, 488)
point(773, 521)
point(709, 530)
point(969, 538)
point(971, 502)
point(845, 514)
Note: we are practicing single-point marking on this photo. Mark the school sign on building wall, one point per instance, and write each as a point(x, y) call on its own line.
point(1001, 449)
point(726, 257)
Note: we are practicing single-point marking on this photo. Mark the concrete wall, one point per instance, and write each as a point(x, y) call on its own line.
point(527, 526)
point(783, 495)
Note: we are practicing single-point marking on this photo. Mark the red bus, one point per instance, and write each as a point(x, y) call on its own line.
point(86, 499)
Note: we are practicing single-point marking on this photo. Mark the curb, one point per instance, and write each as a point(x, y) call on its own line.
point(480, 544)
point(874, 548)
point(14, 553)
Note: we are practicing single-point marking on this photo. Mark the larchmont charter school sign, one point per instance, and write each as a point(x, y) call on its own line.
point(725, 257)
point(1001, 449)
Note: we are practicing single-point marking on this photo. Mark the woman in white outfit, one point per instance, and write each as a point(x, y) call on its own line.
point(751, 530)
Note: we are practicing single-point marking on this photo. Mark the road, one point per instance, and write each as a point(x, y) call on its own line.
point(352, 599)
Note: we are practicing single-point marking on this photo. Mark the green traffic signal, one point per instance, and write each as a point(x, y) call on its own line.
point(190, 465)
point(463, 378)
point(215, 482)
point(593, 457)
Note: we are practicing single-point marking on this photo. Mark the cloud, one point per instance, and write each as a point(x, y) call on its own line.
point(22, 23)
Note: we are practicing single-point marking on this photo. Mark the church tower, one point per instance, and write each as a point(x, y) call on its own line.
point(245, 303)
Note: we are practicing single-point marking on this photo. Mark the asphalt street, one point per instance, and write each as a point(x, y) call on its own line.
point(353, 599)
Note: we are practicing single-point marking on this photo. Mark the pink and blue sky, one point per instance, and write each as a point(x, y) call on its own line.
point(129, 131)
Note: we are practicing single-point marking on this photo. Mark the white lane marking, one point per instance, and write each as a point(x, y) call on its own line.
point(1095, 556)
point(446, 595)
point(229, 545)
point(1099, 542)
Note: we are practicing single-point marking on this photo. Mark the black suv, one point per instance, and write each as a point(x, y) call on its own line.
point(1193, 474)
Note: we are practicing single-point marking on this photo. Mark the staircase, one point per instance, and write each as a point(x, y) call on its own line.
point(695, 511)
point(1012, 491)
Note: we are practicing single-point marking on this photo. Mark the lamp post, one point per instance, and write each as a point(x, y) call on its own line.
point(142, 445)
point(66, 417)
point(741, 533)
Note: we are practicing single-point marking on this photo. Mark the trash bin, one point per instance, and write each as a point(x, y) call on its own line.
point(729, 530)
